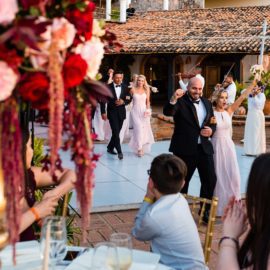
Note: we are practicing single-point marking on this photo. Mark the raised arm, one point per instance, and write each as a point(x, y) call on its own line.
point(170, 108)
point(232, 108)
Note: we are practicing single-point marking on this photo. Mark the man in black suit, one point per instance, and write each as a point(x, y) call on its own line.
point(194, 125)
point(116, 111)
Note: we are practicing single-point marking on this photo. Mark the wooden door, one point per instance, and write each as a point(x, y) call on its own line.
point(212, 75)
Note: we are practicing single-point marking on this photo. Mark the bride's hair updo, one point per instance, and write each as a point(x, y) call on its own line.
point(216, 95)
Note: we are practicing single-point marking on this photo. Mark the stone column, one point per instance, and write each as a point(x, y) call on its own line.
point(123, 13)
point(165, 4)
point(108, 9)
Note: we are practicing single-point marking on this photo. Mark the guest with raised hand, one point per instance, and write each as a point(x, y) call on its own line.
point(36, 178)
point(142, 137)
point(225, 158)
point(254, 251)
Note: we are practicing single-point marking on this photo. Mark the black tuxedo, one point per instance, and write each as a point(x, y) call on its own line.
point(184, 142)
point(116, 114)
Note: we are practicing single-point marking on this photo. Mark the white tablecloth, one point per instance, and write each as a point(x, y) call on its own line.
point(29, 257)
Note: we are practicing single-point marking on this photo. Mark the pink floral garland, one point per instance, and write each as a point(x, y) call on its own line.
point(56, 106)
point(77, 124)
point(11, 148)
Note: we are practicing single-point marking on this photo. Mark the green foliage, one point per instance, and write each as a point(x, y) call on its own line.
point(266, 81)
point(38, 155)
point(239, 88)
point(115, 15)
point(73, 232)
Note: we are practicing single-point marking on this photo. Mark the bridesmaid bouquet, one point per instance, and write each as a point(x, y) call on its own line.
point(147, 113)
point(256, 71)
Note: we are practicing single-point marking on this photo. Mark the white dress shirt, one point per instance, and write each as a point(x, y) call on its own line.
point(117, 91)
point(201, 114)
point(231, 90)
point(183, 85)
point(170, 227)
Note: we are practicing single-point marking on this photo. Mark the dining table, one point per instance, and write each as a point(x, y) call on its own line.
point(28, 256)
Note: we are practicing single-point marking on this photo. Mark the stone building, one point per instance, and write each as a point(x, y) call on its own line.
point(144, 5)
point(161, 43)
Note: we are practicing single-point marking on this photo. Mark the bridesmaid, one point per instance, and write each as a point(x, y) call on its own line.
point(142, 137)
point(255, 139)
point(225, 158)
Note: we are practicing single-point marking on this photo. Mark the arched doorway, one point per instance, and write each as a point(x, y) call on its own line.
point(216, 66)
point(155, 69)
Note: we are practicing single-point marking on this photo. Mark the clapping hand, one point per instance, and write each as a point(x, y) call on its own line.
point(235, 222)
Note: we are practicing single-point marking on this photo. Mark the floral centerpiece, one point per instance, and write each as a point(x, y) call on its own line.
point(50, 53)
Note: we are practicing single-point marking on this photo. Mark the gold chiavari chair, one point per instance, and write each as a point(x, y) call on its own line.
point(197, 203)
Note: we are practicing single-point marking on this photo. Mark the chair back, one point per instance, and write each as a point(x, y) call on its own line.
point(198, 207)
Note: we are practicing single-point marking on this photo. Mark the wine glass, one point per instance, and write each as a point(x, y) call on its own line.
point(53, 239)
point(123, 243)
point(105, 257)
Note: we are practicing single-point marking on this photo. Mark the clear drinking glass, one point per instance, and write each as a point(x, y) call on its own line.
point(105, 257)
point(55, 228)
point(123, 243)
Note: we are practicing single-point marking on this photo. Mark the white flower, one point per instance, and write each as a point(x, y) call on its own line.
point(92, 52)
point(257, 71)
point(64, 32)
point(97, 30)
point(8, 80)
point(8, 10)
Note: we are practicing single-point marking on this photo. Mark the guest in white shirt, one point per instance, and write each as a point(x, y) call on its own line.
point(165, 219)
point(198, 71)
point(230, 88)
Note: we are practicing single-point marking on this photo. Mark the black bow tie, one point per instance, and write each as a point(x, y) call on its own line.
point(196, 101)
point(118, 85)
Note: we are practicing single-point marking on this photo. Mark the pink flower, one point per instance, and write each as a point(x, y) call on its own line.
point(92, 52)
point(8, 10)
point(64, 32)
point(8, 80)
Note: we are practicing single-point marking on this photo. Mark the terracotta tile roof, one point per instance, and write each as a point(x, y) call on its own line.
point(216, 30)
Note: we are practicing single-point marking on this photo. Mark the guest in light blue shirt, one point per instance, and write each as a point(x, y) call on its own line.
point(165, 218)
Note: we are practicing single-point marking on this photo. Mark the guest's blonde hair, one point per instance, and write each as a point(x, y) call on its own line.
point(145, 85)
point(216, 96)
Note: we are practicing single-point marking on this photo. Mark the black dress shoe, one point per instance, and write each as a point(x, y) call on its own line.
point(120, 156)
point(112, 152)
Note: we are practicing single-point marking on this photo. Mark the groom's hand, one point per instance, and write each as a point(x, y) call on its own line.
point(119, 102)
point(206, 131)
point(104, 116)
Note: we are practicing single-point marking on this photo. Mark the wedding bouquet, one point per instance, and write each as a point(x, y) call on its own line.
point(257, 71)
point(50, 53)
point(147, 113)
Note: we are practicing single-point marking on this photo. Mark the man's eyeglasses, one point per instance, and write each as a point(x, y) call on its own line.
point(149, 172)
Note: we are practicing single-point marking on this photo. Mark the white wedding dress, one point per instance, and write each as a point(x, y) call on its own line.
point(255, 139)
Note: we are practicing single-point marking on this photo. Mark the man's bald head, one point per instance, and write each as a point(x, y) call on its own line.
point(195, 88)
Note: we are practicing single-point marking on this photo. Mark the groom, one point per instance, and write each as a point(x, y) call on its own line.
point(194, 125)
point(116, 111)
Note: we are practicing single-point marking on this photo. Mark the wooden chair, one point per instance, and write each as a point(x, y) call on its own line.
point(197, 203)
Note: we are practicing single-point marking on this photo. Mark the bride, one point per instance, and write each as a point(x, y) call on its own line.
point(142, 137)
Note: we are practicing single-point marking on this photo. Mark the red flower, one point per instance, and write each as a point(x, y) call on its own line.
point(34, 87)
point(74, 70)
point(83, 20)
point(11, 57)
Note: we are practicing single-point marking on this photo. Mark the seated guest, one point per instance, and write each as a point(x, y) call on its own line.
point(165, 218)
point(254, 251)
point(130, 11)
point(36, 178)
